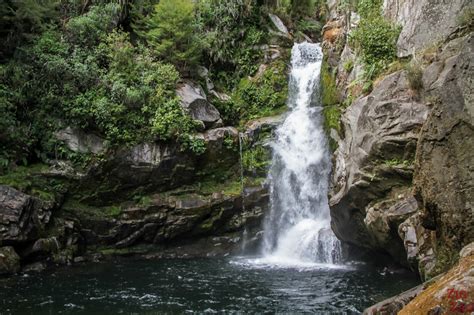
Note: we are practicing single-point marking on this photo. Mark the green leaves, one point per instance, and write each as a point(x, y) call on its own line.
point(262, 95)
point(376, 38)
point(172, 33)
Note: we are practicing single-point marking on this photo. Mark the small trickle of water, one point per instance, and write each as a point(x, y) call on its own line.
point(297, 229)
point(242, 179)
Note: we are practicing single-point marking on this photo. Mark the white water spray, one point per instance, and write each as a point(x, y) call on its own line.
point(297, 229)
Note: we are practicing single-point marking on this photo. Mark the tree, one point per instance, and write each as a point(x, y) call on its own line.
point(20, 20)
point(171, 31)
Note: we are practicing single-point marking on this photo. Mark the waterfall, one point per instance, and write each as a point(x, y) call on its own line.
point(297, 229)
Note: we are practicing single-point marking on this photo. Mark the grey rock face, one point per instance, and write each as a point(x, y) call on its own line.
point(21, 216)
point(424, 22)
point(444, 173)
point(157, 167)
point(9, 261)
point(418, 243)
point(194, 101)
point(279, 25)
point(258, 126)
point(177, 218)
point(373, 159)
point(79, 141)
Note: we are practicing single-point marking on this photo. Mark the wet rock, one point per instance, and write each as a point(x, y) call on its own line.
point(194, 101)
point(176, 218)
point(382, 221)
point(9, 261)
point(257, 127)
point(42, 246)
point(22, 216)
point(38, 266)
point(418, 243)
point(423, 22)
point(394, 304)
point(79, 141)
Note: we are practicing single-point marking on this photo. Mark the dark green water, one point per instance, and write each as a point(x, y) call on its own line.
point(199, 285)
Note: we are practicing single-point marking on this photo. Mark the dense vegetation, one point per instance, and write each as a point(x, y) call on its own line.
point(112, 67)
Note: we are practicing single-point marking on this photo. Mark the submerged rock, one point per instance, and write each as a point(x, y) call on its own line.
point(9, 261)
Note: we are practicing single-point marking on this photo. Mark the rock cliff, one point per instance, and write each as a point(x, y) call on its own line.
point(402, 180)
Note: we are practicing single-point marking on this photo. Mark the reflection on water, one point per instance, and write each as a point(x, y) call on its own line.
point(199, 285)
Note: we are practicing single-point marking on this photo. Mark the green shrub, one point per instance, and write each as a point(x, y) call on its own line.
point(368, 8)
point(466, 18)
point(256, 159)
point(193, 144)
point(376, 39)
point(348, 65)
point(171, 30)
point(88, 29)
point(414, 75)
point(328, 86)
point(263, 95)
point(21, 20)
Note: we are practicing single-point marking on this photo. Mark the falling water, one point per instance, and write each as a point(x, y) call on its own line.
point(297, 229)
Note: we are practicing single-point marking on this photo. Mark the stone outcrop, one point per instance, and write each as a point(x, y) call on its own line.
point(156, 167)
point(194, 102)
point(444, 172)
point(424, 22)
point(279, 25)
point(22, 217)
point(373, 165)
point(24, 222)
point(174, 218)
point(79, 141)
point(452, 293)
point(402, 173)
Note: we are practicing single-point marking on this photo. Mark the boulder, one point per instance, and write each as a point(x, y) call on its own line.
point(9, 261)
point(444, 172)
point(38, 266)
point(278, 24)
point(80, 141)
point(374, 158)
point(423, 22)
point(255, 128)
point(450, 293)
point(418, 243)
point(22, 216)
point(194, 101)
point(382, 221)
point(394, 304)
